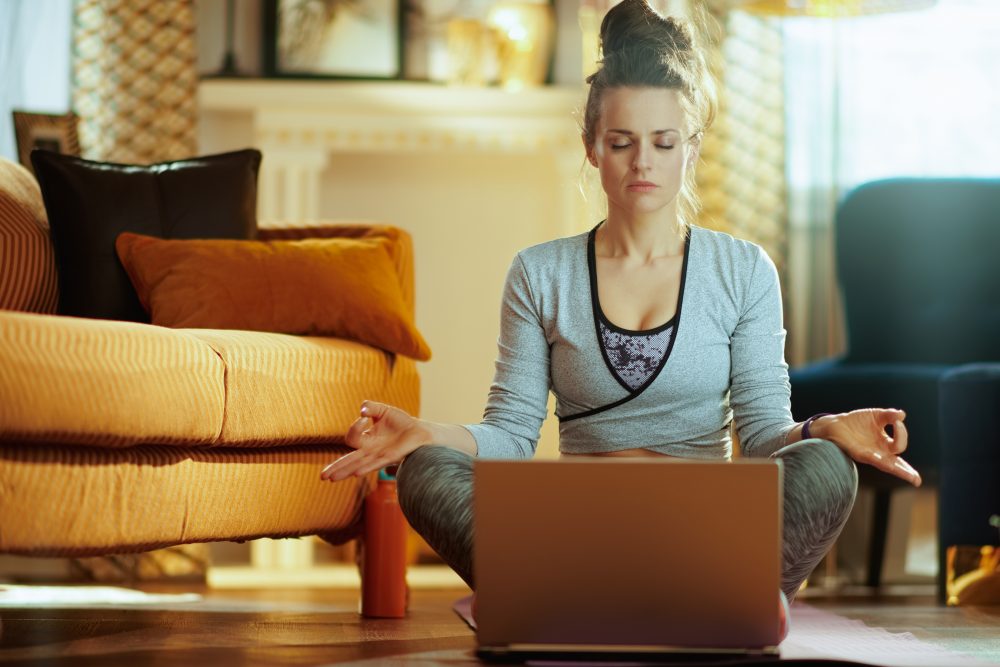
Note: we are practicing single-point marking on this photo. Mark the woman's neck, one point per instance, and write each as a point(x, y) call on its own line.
point(641, 238)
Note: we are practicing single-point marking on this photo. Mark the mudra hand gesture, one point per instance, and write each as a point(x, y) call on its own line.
point(381, 436)
point(384, 435)
point(862, 436)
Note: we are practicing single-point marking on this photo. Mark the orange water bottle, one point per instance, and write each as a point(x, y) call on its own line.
point(383, 576)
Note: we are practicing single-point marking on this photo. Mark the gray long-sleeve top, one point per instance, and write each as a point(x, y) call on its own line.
point(726, 358)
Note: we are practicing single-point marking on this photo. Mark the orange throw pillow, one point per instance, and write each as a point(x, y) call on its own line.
point(346, 288)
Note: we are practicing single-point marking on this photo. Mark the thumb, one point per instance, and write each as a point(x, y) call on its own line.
point(374, 410)
point(891, 415)
point(886, 417)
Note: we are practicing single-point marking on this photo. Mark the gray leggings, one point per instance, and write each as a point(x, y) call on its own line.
point(435, 492)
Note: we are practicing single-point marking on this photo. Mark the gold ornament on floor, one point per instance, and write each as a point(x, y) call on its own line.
point(184, 562)
point(973, 576)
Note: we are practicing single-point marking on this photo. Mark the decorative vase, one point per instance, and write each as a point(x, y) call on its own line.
point(524, 40)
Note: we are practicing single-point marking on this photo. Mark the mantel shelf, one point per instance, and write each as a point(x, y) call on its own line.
point(300, 124)
point(397, 98)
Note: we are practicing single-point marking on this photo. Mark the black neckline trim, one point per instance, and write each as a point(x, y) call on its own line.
point(599, 317)
point(630, 332)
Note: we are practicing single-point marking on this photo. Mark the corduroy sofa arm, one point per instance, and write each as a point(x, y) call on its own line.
point(401, 247)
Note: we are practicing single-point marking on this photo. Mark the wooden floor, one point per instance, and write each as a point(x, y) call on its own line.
point(297, 627)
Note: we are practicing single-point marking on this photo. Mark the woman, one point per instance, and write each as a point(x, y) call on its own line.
point(654, 334)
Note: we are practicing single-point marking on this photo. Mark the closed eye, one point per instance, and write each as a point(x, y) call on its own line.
point(619, 147)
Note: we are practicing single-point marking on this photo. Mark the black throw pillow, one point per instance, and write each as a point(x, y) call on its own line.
point(90, 203)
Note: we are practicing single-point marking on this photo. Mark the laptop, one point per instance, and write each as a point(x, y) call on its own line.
point(621, 558)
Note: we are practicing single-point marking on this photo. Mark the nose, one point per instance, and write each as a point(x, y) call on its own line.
point(643, 156)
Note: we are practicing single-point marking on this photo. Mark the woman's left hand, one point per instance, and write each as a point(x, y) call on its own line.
point(862, 435)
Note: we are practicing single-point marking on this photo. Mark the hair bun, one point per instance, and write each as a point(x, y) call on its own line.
point(633, 24)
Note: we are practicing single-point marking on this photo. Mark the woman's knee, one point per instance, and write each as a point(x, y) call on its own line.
point(840, 467)
point(824, 467)
point(430, 469)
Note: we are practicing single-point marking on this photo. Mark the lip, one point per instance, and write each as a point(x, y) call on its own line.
point(642, 186)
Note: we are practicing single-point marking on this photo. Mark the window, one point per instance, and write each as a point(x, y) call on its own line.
point(915, 93)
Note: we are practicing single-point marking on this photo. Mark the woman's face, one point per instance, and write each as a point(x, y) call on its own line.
point(641, 148)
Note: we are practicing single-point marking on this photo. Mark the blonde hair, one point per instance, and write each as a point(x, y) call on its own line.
point(643, 49)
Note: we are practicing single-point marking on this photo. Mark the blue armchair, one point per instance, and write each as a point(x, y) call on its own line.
point(919, 270)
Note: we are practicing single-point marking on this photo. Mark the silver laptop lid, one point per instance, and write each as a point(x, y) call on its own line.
point(628, 553)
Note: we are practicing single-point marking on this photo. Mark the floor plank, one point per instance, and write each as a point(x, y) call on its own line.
point(321, 627)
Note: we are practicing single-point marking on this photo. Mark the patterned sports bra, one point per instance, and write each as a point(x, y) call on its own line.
point(636, 355)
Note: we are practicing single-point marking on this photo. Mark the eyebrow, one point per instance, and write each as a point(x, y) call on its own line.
point(657, 132)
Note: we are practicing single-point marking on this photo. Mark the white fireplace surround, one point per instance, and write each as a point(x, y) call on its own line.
point(299, 124)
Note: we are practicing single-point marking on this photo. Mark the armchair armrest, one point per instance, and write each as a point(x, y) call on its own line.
point(401, 243)
point(970, 454)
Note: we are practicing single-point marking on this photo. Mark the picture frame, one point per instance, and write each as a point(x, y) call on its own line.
point(333, 39)
point(54, 132)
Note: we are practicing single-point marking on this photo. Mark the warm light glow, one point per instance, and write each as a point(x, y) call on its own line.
point(831, 8)
point(524, 31)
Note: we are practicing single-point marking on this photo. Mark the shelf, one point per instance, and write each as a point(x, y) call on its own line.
point(391, 97)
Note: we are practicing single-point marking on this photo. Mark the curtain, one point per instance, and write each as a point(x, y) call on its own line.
point(891, 95)
point(741, 178)
point(814, 320)
point(34, 49)
point(135, 79)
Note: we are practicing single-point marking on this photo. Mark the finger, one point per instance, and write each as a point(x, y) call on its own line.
point(357, 429)
point(895, 466)
point(886, 416)
point(373, 465)
point(346, 466)
point(332, 469)
point(900, 438)
point(374, 409)
point(907, 472)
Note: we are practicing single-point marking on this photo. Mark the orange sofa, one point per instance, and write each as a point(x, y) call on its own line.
point(120, 437)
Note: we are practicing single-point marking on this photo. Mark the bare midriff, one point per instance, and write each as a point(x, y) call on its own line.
point(633, 453)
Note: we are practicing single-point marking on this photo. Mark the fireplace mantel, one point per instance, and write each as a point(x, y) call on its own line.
point(299, 124)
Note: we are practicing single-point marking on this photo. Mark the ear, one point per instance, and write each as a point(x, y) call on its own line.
point(591, 158)
point(694, 151)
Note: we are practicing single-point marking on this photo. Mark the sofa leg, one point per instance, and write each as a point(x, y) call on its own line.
point(877, 539)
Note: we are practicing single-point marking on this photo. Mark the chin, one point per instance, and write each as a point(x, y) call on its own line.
point(646, 207)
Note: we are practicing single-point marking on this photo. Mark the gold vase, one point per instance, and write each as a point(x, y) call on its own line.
point(468, 40)
point(523, 33)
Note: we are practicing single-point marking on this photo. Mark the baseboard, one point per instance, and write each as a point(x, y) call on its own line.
point(324, 576)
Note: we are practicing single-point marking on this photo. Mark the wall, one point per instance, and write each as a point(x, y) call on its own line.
point(468, 215)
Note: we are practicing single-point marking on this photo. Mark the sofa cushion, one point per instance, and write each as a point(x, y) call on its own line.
point(152, 497)
point(283, 389)
point(27, 265)
point(346, 288)
point(112, 384)
point(90, 203)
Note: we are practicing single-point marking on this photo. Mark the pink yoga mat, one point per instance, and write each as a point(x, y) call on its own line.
point(821, 638)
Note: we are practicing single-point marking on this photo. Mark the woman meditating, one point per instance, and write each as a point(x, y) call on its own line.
point(653, 333)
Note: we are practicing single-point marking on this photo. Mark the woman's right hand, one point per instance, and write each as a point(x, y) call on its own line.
point(383, 435)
